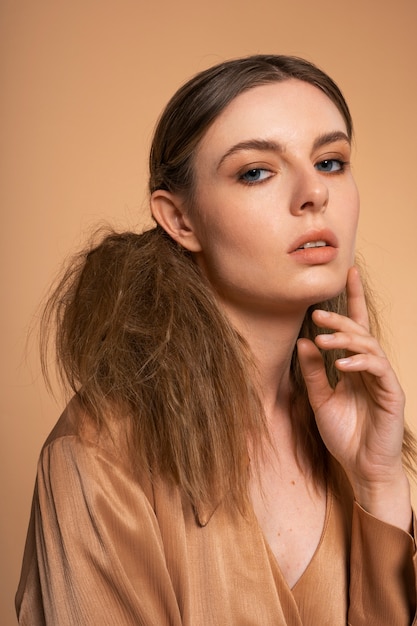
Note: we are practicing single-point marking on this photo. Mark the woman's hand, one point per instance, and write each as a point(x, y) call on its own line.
point(361, 421)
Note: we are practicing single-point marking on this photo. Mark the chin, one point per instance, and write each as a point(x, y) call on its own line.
point(321, 291)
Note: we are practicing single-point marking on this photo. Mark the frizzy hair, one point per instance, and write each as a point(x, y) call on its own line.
point(139, 335)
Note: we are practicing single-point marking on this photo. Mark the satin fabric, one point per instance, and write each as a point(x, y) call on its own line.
point(105, 547)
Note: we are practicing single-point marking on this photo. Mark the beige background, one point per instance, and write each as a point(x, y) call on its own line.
point(82, 83)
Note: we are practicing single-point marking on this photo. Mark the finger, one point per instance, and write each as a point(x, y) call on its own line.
point(351, 341)
point(356, 303)
point(379, 377)
point(337, 322)
point(314, 373)
point(377, 366)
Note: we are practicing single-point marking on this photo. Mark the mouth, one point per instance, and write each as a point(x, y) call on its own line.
point(313, 244)
point(314, 239)
point(315, 247)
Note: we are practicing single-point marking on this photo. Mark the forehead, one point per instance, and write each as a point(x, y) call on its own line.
point(290, 111)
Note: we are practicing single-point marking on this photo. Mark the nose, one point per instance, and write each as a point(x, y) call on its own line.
point(311, 192)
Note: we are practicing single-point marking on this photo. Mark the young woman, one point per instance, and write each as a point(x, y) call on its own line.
point(234, 453)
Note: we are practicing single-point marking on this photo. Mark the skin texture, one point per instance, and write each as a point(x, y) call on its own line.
point(273, 173)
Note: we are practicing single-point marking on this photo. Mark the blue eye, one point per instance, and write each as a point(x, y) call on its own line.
point(330, 166)
point(255, 175)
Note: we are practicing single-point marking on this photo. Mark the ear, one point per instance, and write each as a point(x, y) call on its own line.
point(169, 211)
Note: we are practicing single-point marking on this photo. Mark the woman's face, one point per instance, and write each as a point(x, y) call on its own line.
point(276, 203)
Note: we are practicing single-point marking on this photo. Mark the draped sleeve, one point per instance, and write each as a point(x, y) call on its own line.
point(382, 573)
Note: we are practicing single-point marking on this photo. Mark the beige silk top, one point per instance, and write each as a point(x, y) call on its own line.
point(106, 549)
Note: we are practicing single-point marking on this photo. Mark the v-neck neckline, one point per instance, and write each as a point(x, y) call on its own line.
point(272, 557)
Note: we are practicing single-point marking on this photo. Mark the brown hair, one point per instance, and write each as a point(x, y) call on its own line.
point(139, 333)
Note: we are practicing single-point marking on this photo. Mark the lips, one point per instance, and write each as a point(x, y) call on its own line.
point(314, 239)
point(315, 247)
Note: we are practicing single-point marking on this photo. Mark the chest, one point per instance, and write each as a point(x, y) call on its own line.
point(291, 512)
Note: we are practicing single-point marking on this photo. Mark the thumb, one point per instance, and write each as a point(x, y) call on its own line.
point(314, 373)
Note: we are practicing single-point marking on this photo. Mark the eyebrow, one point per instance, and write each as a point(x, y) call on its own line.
point(267, 145)
point(264, 145)
point(326, 138)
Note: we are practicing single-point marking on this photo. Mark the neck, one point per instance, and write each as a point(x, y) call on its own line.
point(271, 339)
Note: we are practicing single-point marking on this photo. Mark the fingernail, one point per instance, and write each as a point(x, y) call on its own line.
point(345, 361)
point(326, 338)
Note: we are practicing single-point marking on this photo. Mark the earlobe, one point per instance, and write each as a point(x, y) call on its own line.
point(169, 211)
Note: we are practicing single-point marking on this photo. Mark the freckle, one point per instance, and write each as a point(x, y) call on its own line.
point(293, 482)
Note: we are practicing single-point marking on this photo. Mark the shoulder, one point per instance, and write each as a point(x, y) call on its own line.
point(83, 458)
point(77, 426)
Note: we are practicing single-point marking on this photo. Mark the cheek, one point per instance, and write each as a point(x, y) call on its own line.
point(215, 220)
point(351, 211)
